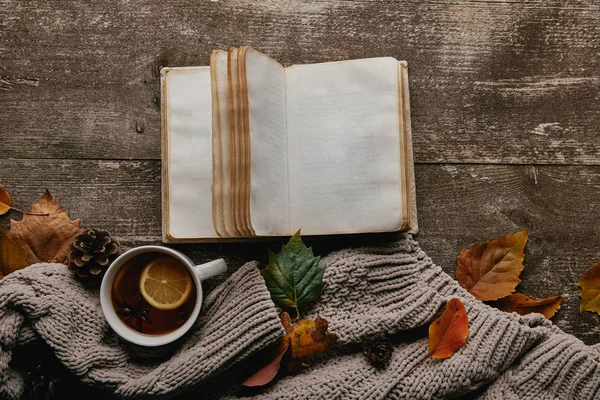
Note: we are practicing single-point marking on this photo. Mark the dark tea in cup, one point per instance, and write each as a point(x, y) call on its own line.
point(153, 293)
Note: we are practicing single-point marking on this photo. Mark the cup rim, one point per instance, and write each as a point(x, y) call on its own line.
point(113, 319)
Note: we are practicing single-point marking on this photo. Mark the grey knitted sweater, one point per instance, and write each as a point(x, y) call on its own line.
point(392, 287)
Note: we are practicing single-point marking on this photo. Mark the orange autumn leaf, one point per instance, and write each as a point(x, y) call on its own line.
point(590, 290)
point(45, 238)
point(12, 255)
point(450, 331)
point(523, 305)
point(5, 203)
point(490, 270)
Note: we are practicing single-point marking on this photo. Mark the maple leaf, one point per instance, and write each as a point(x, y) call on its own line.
point(12, 255)
point(45, 239)
point(450, 331)
point(523, 305)
point(293, 276)
point(590, 290)
point(6, 204)
point(490, 270)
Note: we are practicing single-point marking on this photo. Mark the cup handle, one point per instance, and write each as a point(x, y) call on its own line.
point(210, 269)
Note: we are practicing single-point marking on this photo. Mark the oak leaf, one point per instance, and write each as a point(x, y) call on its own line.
point(490, 270)
point(590, 290)
point(45, 238)
point(293, 276)
point(450, 331)
point(5, 203)
point(523, 305)
point(12, 255)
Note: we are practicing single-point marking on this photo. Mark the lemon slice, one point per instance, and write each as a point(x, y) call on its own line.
point(165, 283)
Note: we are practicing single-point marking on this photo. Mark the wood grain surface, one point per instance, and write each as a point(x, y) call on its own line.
point(491, 81)
point(459, 204)
point(505, 101)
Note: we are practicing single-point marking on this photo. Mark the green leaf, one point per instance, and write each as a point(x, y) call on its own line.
point(293, 276)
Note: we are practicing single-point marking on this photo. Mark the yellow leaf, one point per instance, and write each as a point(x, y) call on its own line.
point(590, 290)
point(12, 256)
point(523, 305)
point(304, 339)
point(490, 270)
point(45, 238)
point(307, 338)
point(5, 204)
point(450, 331)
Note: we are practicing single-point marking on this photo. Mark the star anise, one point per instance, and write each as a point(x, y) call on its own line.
point(135, 312)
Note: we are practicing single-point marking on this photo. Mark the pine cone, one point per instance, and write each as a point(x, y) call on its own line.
point(378, 349)
point(91, 255)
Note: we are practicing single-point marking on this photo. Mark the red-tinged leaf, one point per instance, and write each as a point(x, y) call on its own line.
point(490, 270)
point(590, 290)
point(12, 255)
point(267, 373)
point(303, 339)
point(45, 238)
point(307, 337)
point(450, 331)
point(5, 202)
point(523, 305)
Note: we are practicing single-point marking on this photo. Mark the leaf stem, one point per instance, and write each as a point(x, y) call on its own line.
point(297, 314)
point(30, 213)
point(415, 367)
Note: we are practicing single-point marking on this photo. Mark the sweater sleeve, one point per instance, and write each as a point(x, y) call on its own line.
point(558, 367)
point(237, 319)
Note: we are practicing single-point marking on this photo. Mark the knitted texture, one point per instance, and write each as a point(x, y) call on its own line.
point(392, 286)
point(395, 287)
point(238, 318)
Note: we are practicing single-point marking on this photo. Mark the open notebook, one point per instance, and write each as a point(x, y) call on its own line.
point(253, 149)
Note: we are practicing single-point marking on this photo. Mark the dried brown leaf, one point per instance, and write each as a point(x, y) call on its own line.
point(268, 372)
point(12, 255)
point(5, 202)
point(590, 290)
point(450, 331)
point(303, 339)
point(490, 270)
point(45, 238)
point(523, 305)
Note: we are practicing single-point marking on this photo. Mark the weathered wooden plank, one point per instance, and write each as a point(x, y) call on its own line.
point(461, 205)
point(458, 205)
point(491, 81)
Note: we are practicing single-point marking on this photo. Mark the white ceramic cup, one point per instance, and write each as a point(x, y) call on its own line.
point(198, 272)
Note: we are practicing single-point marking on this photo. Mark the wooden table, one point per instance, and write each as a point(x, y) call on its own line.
point(505, 115)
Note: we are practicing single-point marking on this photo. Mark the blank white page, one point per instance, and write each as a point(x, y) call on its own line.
point(343, 146)
point(268, 145)
point(189, 171)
